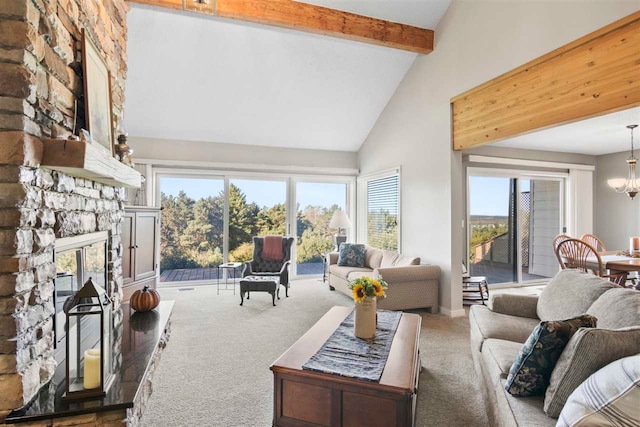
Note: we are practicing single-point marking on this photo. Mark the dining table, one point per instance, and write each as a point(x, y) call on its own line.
point(617, 263)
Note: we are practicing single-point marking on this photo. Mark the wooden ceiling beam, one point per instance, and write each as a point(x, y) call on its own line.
point(312, 19)
point(594, 75)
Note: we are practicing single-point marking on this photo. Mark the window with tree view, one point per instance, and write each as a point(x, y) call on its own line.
point(383, 208)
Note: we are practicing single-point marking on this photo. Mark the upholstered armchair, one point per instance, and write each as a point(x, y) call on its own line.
point(258, 266)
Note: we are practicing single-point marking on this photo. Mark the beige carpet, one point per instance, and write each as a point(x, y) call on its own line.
point(215, 369)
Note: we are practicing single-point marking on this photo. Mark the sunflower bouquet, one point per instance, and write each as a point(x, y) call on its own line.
point(366, 286)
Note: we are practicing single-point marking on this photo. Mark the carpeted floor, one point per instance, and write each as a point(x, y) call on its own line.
point(215, 369)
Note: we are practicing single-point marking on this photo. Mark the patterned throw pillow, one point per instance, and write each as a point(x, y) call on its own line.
point(610, 397)
point(351, 255)
point(530, 373)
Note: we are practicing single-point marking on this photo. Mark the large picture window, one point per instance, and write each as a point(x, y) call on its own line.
point(208, 220)
point(382, 210)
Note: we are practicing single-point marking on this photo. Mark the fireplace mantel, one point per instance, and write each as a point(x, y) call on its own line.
point(86, 160)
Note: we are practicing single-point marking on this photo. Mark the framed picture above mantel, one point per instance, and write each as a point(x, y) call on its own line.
point(97, 95)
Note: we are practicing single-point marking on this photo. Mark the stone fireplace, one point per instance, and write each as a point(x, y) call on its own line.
point(41, 91)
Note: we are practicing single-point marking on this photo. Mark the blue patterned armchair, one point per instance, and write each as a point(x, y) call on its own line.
point(261, 267)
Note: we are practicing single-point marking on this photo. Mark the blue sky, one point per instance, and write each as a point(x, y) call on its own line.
point(263, 193)
point(490, 196)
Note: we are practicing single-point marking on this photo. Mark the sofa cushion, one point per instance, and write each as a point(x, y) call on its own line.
point(343, 272)
point(487, 324)
point(531, 371)
point(587, 351)
point(497, 357)
point(610, 397)
point(394, 259)
point(351, 255)
point(569, 294)
point(520, 411)
point(617, 308)
point(353, 275)
point(373, 258)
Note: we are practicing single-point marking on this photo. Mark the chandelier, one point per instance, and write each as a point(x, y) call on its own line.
point(631, 185)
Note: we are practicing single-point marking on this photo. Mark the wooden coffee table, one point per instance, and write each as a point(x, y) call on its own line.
point(308, 398)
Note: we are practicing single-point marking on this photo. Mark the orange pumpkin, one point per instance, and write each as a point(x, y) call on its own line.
point(145, 299)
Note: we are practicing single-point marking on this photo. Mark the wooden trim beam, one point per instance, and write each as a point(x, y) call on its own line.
point(312, 19)
point(592, 76)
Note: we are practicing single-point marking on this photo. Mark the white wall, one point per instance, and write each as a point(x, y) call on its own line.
point(195, 152)
point(617, 217)
point(475, 42)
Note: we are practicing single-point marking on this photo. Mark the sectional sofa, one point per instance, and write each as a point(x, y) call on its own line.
point(499, 330)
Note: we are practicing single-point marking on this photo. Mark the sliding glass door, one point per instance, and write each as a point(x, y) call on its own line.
point(192, 228)
point(512, 222)
point(492, 224)
point(541, 214)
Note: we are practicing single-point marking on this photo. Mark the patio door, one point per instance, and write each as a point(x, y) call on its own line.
point(512, 220)
point(192, 228)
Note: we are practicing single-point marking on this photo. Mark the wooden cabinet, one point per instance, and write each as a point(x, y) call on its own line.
point(140, 242)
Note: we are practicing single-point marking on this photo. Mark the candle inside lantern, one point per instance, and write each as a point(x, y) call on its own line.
point(92, 368)
point(634, 244)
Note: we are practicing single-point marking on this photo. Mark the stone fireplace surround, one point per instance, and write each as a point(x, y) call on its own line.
point(40, 89)
point(50, 205)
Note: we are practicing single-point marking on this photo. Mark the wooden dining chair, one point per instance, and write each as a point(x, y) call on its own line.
point(580, 255)
point(556, 241)
point(594, 241)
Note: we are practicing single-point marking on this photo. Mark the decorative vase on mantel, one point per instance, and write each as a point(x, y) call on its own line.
point(364, 322)
point(365, 291)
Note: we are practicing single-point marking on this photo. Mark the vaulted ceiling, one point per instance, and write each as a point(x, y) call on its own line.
point(192, 77)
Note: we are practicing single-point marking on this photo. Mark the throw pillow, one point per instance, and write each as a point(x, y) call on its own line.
point(626, 312)
point(352, 255)
point(587, 351)
point(610, 397)
point(529, 375)
point(570, 293)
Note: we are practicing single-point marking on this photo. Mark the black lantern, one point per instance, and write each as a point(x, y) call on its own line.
point(88, 343)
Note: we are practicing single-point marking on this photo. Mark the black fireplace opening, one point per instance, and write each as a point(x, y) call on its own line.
point(77, 259)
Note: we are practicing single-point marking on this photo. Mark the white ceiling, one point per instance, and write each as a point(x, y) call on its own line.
point(199, 78)
point(419, 13)
point(597, 136)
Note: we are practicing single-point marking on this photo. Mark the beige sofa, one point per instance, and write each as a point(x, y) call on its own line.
point(411, 285)
point(499, 330)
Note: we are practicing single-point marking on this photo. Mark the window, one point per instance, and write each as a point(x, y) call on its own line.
point(382, 210)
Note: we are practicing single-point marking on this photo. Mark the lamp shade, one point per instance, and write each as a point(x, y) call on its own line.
point(617, 183)
point(340, 220)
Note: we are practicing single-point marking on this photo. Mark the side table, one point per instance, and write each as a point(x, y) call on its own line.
point(228, 267)
point(474, 289)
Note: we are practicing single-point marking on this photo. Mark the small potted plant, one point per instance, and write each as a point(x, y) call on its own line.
point(365, 291)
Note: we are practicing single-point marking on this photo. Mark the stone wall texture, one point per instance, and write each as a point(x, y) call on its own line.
point(40, 89)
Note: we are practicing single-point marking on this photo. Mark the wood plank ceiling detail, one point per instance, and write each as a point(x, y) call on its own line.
point(310, 18)
point(594, 75)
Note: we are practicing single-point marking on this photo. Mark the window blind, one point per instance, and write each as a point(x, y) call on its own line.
point(383, 205)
